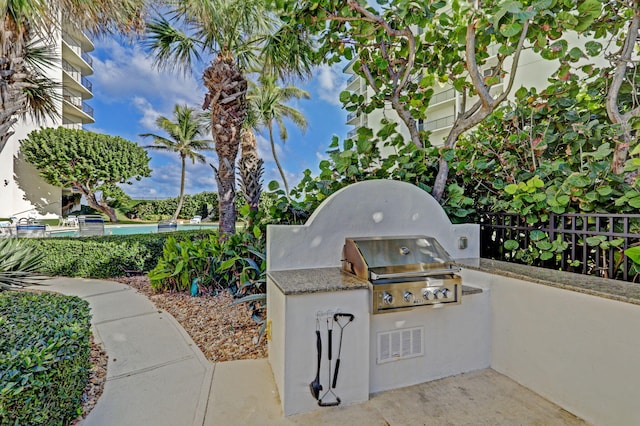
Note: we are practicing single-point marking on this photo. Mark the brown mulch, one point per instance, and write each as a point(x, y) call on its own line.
point(222, 331)
point(95, 384)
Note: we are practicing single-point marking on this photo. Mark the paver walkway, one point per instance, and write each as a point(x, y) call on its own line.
point(157, 376)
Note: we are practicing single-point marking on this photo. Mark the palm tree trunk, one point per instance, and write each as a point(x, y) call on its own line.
point(181, 198)
point(227, 101)
point(275, 157)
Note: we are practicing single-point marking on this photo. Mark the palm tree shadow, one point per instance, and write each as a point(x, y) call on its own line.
point(43, 197)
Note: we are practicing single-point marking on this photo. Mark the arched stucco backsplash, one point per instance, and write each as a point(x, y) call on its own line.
point(369, 208)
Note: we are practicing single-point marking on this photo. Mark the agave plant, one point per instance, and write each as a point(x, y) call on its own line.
point(19, 265)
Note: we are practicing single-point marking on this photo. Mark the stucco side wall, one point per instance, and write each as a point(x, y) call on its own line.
point(577, 350)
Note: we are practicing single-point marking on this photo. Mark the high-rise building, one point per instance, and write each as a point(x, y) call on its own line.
point(22, 192)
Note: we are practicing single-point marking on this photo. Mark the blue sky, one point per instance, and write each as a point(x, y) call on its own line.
point(130, 93)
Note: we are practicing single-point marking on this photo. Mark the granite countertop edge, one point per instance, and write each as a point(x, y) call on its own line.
point(596, 286)
point(322, 280)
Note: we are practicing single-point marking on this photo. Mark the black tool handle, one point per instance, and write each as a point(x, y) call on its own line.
point(319, 348)
point(335, 374)
point(329, 404)
point(330, 345)
point(346, 315)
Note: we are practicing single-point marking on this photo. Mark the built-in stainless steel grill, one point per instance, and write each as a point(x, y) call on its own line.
point(405, 272)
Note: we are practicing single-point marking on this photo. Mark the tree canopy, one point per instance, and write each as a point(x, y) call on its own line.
point(403, 49)
point(87, 161)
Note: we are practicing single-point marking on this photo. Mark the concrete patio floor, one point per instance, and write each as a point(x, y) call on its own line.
point(244, 393)
point(157, 376)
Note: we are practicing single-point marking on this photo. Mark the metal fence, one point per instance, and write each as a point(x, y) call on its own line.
point(590, 244)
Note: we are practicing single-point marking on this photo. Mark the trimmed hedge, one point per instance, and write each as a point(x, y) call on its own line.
point(45, 351)
point(107, 256)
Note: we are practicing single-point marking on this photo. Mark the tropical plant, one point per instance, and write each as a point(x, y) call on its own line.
point(236, 33)
point(268, 100)
point(211, 263)
point(27, 32)
point(184, 134)
point(20, 265)
point(89, 162)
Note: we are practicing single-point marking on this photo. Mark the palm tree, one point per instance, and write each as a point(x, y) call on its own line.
point(269, 102)
point(238, 34)
point(184, 134)
point(27, 32)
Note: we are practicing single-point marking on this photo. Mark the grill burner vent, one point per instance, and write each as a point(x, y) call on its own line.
point(404, 272)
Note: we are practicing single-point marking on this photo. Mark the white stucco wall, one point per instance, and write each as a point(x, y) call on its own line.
point(369, 208)
point(21, 188)
point(292, 348)
point(577, 350)
point(457, 339)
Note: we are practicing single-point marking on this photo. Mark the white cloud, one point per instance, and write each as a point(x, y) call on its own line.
point(149, 113)
point(322, 156)
point(331, 81)
point(121, 70)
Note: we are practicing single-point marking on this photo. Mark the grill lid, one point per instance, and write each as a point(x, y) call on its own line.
point(396, 258)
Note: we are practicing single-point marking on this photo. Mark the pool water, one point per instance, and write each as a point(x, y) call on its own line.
point(132, 229)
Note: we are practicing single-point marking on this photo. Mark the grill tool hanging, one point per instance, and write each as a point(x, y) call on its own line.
point(329, 390)
point(336, 318)
point(315, 385)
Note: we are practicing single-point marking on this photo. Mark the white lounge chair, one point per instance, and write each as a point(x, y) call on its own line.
point(70, 221)
point(196, 219)
point(5, 229)
point(91, 224)
point(32, 230)
point(167, 226)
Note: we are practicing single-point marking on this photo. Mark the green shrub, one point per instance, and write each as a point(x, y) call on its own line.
point(107, 256)
point(198, 204)
point(215, 264)
point(44, 357)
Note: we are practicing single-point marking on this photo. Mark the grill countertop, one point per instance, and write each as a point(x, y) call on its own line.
point(316, 280)
point(320, 280)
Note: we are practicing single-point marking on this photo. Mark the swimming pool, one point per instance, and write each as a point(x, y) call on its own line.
point(131, 229)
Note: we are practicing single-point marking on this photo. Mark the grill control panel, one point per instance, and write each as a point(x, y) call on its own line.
point(398, 296)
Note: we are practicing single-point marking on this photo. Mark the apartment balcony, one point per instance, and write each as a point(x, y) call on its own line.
point(75, 80)
point(443, 97)
point(353, 118)
point(73, 53)
point(73, 126)
point(438, 124)
point(75, 110)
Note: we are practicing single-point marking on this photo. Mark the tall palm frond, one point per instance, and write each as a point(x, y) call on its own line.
point(172, 47)
point(268, 101)
point(183, 133)
point(235, 33)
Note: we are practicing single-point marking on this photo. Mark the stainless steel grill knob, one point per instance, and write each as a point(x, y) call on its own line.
point(445, 293)
point(427, 294)
point(387, 298)
point(408, 297)
point(441, 294)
